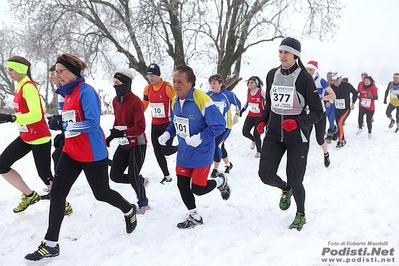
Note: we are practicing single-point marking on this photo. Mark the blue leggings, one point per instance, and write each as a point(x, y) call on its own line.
point(330, 113)
point(220, 151)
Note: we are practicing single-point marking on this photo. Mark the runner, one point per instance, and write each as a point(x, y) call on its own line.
point(393, 91)
point(255, 102)
point(326, 95)
point(289, 91)
point(368, 93)
point(343, 104)
point(223, 100)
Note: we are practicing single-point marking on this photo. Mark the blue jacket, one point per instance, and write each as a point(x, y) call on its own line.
point(225, 99)
point(204, 118)
point(84, 137)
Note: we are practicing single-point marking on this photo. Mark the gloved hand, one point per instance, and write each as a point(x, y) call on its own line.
point(236, 118)
point(385, 101)
point(108, 140)
point(368, 94)
point(242, 111)
point(4, 118)
point(54, 123)
point(116, 133)
point(261, 128)
point(58, 139)
point(164, 138)
point(289, 124)
point(64, 125)
point(194, 140)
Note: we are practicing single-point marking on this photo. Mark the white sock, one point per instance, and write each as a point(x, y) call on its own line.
point(219, 181)
point(51, 244)
point(129, 212)
point(194, 213)
point(168, 177)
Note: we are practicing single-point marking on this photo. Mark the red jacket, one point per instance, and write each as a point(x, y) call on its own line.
point(130, 113)
point(366, 101)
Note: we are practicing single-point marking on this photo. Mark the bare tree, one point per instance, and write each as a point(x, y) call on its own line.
point(215, 32)
point(7, 86)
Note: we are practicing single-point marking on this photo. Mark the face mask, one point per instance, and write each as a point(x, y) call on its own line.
point(121, 90)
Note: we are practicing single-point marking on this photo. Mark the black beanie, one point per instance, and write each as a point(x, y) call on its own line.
point(153, 69)
point(291, 45)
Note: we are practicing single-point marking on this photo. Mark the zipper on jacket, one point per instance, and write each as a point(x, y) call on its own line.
point(282, 129)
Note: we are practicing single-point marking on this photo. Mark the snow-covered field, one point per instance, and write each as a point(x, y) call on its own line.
point(353, 200)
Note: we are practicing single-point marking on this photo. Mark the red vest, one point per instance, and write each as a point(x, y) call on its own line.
point(255, 104)
point(33, 131)
point(160, 105)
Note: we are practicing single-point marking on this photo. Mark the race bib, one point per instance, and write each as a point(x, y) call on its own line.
point(182, 127)
point(220, 106)
point(365, 102)
point(282, 97)
point(157, 110)
point(124, 140)
point(22, 128)
point(254, 107)
point(339, 103)
point(69, 117)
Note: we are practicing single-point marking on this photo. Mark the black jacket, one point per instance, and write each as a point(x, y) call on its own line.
point(305, 120)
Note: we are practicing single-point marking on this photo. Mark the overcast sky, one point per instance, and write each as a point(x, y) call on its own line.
point(366, 41)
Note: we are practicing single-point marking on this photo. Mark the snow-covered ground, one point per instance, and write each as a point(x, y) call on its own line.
point(353, 200)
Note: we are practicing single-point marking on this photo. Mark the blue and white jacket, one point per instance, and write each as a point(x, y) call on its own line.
point(202, 116)
point(223, 100)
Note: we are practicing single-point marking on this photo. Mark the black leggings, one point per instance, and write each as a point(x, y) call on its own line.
point(133, 158)
point(19, 148)
point(249, 123)
point(297, 154)
point(369, 117)
point(57, 153)
point(320, 129)
point(159, 150)
point(389, 110)
point(187, 192)
point(340, 117)
point(67, 171)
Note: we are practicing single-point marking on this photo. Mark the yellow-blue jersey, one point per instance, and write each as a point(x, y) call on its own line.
point(197, 113)
point(223, 100)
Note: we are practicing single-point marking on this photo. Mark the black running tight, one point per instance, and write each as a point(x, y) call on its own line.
point(187, 193)
point(67, 171)
point(19, 148)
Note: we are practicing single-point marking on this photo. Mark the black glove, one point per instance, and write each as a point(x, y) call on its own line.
point(242, 111)
point(368, 94)
point(4, 118)
point(108, 140)
point(58, 139)
point(54, 122)
point(385, 101)
point(118, 133)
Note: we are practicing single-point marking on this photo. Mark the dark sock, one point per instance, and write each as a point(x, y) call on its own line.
point(30, 195)
point(326, 154)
